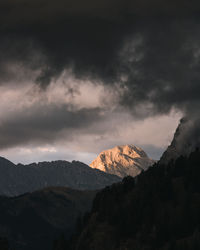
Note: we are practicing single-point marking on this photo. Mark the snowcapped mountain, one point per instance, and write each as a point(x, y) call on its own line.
point(122, 161)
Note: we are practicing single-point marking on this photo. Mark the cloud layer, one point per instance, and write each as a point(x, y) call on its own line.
point(151, 49)
point(69, 68)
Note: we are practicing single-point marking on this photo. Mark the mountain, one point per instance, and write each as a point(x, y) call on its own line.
point(34, 220)
point(159, 209)
point(186, 140)
point(19, 179)
point(122, 161)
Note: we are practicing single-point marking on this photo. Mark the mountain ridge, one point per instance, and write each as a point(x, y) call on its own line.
point(33, 220)
point(18, 179)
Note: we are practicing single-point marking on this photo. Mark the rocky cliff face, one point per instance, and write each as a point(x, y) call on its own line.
point(186, 140)
point(19, 179)
point(123, 161)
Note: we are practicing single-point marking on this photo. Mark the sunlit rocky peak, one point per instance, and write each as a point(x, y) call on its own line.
point(122, 161)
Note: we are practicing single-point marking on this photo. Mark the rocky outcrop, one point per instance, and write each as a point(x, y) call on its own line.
point(186, 140)
point(123, 161)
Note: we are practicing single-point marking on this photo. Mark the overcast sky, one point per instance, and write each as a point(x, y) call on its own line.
point(80, 77)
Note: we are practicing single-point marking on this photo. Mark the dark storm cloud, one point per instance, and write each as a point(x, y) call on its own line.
point(150, 47)
point(86, 36)
point(167, 72)
point(89, 37)
point(42, 123)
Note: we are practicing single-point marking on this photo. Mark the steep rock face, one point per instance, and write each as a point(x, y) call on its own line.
point(19, 179)
point(186, 140)
point(122, 161)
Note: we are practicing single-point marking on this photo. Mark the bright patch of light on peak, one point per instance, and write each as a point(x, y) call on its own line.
point(123, 160)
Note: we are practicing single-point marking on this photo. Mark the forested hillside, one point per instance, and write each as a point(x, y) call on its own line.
point(160, 209)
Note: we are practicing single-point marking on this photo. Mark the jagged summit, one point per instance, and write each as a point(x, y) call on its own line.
point(123, 160)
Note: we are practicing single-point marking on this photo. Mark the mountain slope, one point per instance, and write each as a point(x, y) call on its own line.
point(186, 140)
point(33, 221)
point(19, 179)
point(122, 161)
point(159, 210)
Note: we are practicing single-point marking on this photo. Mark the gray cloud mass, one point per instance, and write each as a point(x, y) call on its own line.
point(44, 123)
point(147, 51)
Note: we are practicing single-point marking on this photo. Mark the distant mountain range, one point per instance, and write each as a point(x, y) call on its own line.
point(34, 219)
point(109, 167)
point(19, 179)
point(123, 161)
